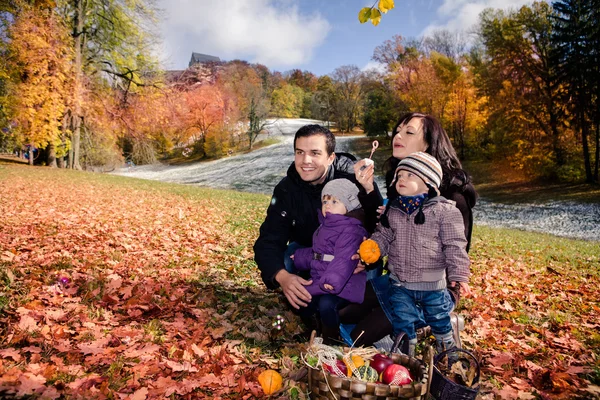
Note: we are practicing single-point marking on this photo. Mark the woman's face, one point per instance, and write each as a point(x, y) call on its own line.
point(409, 138)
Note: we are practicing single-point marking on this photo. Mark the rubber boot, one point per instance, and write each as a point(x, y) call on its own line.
point(458, 324)
point(446, 342)
point(412, 347)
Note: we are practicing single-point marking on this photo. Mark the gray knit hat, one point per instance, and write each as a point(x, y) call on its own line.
point(345, 191)
point(424, 166)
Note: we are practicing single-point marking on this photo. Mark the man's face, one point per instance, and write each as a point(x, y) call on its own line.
point(311, 158)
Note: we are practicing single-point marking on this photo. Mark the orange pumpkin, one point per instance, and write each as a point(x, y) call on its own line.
point(369, 251)
point(270, 381)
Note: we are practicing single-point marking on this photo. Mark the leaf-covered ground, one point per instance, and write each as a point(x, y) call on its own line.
point(127, 289)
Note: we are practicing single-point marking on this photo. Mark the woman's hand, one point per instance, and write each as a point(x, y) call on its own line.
point(364, 174)
point(328, 286)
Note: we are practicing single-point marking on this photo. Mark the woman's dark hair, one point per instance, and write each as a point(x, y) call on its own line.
point(311, 130)
point(438, 145)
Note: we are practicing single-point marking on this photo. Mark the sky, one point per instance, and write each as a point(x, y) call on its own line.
point(311, 35)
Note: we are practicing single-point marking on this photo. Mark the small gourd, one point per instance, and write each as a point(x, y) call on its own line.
point(369, 251)
point(357, 360)
point(367, 373)
point(270, 381)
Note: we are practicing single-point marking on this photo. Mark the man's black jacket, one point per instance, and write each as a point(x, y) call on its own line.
point(292, 215)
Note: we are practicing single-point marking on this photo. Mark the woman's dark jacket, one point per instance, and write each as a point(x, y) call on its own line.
point(292, 216)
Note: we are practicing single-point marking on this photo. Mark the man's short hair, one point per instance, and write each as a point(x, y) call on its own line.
point(310, 130)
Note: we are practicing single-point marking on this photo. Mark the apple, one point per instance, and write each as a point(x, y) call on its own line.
point(396, 374)
point(380, 362)
point(341, 366)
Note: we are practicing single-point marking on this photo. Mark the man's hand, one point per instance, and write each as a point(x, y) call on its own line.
point(293, 288)
point(328, 286)
point(465, 289)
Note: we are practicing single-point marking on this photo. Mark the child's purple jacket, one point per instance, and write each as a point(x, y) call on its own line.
point(339, 236)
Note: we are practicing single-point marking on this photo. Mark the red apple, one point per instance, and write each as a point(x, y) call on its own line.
point(341, 366)
point(396, 374)
point(380, 362)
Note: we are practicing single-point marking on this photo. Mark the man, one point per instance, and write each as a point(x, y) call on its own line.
point(292, 215)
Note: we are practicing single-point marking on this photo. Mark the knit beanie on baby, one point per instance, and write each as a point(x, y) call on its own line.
point(345, 191)
point(424, 165)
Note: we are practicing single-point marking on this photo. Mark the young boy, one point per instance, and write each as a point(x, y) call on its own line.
point(330, 259)
point(423, 235)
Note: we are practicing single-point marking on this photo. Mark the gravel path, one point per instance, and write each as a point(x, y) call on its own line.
point(260, 170)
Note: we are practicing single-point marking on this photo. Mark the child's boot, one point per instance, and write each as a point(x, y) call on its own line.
point(446, 342)
point(412, 346)
point(458, 324)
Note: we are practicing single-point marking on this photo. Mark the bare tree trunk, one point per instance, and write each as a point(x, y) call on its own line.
point(76, 119)
point(51, 161)
point(30, 151)
point(597, 161)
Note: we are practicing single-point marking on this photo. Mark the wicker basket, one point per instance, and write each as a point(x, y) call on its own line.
point(326, 386)
point(443, 388)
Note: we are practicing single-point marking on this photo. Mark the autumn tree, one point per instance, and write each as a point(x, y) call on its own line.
point(39, 90)
point(112, 40)
point(287, 101)
point(382, 107)
point(322, 100)
point(577, 55)
point(517, 74)
point(202, 114)
point(348, 96)
point(247, 87)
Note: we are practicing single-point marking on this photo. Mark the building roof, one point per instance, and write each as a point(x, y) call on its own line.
point(202, 58)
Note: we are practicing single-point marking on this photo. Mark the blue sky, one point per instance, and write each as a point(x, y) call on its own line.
point(313, 35)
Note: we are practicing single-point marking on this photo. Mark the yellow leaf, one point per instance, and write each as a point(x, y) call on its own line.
point(385, 5)
point(375, 17)
point(364, 15)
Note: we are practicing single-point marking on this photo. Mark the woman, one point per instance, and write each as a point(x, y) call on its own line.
point(414, 132)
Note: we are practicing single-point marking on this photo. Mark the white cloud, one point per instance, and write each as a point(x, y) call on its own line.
point(374, 65)
point(463, 15)
point(270, 32)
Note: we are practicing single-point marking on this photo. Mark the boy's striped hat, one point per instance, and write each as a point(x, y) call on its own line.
point(424, 166)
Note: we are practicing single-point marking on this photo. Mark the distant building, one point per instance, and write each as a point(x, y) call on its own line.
point(199, 58)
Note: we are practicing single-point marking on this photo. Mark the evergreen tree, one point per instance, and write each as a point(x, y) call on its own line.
point(576, 35)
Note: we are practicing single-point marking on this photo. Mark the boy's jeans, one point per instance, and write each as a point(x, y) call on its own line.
point(434, 304)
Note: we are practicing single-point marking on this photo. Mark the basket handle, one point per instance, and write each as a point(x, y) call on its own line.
point(430, 369)
point(456, 349)
point(397, 342)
